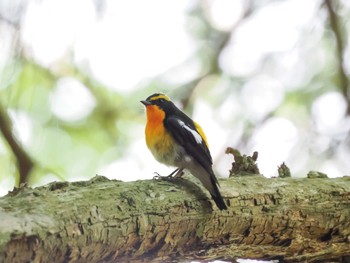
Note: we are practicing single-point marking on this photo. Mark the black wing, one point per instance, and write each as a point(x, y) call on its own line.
point(186, 134)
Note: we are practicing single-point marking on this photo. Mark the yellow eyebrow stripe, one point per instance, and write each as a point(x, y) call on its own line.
point(160, 96)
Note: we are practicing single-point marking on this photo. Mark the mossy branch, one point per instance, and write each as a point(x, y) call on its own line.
point(293, 220)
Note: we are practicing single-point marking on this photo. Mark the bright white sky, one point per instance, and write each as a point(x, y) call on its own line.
point(137, 40)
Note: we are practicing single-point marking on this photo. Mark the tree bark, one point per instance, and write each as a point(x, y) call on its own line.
point(292, 220)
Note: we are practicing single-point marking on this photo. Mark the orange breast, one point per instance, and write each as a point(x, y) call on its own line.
point(158, 140)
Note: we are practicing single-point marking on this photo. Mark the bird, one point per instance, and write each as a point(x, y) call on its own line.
point(175, 139)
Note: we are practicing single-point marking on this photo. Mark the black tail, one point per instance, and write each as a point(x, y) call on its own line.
point(208, 179)
point(218, 198)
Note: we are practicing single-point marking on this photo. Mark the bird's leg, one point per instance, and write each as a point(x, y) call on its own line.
point(172, 173)
point(178, 173)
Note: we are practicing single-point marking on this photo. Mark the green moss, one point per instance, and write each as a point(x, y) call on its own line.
point(243, 165)
point(283, 171)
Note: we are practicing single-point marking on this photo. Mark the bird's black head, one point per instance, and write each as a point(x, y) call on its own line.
point(159, 99)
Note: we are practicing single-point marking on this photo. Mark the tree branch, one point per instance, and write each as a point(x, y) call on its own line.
point(335, 27)
point(13, 24)
point(24, 162)
point(292, 220)
point(217, 41)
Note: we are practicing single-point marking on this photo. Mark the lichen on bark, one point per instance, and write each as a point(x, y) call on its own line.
point(105, 220)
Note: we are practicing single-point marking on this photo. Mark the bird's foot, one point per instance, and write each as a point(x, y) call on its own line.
point(162, 177)
point(159, 177)
point(178, 173)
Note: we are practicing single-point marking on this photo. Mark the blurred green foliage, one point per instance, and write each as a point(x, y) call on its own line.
point(63, 149)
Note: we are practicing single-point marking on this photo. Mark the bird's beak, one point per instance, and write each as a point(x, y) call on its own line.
point(145, 102)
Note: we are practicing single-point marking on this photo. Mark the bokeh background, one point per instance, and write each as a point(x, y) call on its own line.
point(258, 75)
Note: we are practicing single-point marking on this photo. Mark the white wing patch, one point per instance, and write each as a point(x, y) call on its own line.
point(195, 134)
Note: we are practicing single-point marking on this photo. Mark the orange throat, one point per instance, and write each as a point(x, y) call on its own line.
point(155, 115)
point(154, 126)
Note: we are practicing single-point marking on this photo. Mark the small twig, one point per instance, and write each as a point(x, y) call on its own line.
point(9, 22)
point(335, 27)
point(24, 162)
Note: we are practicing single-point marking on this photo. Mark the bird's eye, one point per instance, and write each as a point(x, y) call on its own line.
point(161, 100)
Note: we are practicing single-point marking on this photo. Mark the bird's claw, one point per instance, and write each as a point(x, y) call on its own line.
point(177, 173)
point(161, 177)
